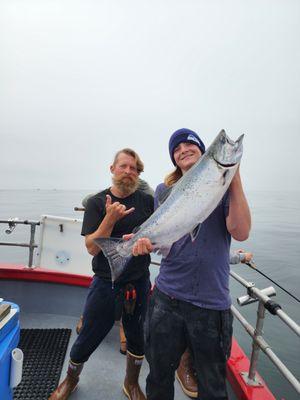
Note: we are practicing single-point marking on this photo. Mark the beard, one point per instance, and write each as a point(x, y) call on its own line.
point(126, 184)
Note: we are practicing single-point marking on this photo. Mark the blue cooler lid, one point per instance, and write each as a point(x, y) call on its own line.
point(10, 321)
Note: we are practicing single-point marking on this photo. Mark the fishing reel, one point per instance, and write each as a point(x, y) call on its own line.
point(11, 225)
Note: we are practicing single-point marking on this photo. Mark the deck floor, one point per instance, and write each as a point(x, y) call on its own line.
point(103, 374)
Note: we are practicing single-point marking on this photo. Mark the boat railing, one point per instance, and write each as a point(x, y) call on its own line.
point(258, 342)
point(12, 223)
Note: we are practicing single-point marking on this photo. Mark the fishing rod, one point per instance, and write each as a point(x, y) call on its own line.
point(252, 265)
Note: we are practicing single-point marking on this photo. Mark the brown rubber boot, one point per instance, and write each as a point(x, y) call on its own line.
point(123, 344)
point(185, 375)
point(131, 385)
point(69, 384)
point(79, 324)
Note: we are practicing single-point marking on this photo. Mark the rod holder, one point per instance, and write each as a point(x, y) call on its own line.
point(11, 225)
point(247, 299)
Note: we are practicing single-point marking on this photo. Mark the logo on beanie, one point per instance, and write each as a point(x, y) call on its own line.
point(193, 139)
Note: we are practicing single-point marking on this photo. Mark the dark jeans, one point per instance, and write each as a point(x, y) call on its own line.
point(171, 325)
point(99, 318)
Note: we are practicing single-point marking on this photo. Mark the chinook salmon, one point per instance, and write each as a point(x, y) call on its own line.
point(183, 206)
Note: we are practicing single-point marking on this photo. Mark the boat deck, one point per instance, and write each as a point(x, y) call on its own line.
point(50, 305)
point(103, 374)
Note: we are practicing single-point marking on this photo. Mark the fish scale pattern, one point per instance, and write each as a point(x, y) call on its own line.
point(44, 353)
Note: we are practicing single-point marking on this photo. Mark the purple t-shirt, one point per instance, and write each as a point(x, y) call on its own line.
point(198, 272)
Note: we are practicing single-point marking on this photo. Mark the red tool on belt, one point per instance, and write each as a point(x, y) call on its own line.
point(130, 298)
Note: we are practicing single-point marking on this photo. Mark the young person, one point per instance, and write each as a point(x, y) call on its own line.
point(190, 305)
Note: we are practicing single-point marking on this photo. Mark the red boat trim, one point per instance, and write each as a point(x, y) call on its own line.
point(37, 274)
point(238, 363)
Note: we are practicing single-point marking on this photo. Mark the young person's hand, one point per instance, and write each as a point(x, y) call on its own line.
point(141, 247)
point(247, 256)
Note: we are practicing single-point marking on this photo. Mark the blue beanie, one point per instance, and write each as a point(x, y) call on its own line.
point(186, 136)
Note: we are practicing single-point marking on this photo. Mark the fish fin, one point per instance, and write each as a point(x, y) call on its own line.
point(162, 197)
point(163, 251)
point(195, 232)
point(117, 263)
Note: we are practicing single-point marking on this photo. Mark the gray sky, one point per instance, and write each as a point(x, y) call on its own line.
point(80, 79)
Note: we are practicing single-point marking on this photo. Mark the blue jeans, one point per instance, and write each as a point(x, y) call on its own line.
point(172, 325)
point(99, 318)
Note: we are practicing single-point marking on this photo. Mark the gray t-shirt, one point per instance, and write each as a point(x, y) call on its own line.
point(198, 272)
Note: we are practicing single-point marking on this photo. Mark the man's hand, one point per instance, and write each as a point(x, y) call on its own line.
point(116, 211)
point(141, 247)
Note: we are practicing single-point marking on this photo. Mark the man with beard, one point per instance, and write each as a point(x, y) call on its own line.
point(114, 212)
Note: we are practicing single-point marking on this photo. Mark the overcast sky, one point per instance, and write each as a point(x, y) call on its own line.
point(81, 79)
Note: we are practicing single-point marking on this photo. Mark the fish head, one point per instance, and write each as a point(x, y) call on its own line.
point(226, 152)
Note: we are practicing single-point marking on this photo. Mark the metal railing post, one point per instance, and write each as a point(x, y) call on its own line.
point(31, 244)
point(255, 347)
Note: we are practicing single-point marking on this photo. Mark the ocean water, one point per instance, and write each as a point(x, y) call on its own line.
point(274, 240)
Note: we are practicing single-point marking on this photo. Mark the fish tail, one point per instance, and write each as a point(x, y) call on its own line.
point(117, 263)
